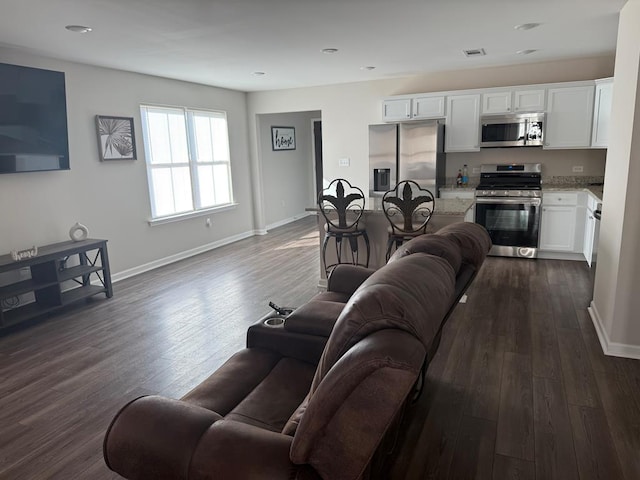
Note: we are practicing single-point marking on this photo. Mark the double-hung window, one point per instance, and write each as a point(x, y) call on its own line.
point(188, 162)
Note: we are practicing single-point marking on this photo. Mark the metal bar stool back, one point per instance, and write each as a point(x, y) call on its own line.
point(342, 206)
point(408, 209)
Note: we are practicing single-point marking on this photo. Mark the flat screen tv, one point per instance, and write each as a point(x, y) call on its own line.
point(33, 120)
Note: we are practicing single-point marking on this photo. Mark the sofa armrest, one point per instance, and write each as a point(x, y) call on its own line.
point(239, 451)
point(347, 278)
point(155, 437)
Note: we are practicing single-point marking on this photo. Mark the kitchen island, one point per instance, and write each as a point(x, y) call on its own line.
point(447, 210)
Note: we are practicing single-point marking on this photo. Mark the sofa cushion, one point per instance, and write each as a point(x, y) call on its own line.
point(411, 294)
point(473, 239)
point(316, 317)
point(434, 245)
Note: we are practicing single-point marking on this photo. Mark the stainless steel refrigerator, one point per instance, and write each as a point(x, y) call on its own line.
point(406, 151)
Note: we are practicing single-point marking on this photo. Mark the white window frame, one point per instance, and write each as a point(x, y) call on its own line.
point(192, 163)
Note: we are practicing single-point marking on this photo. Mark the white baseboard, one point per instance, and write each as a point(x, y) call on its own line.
point(161, 262)
point(613, 349)
point(280, 223)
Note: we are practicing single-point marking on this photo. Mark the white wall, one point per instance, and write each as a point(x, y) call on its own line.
point(616, 303)
point(111, 198)
point(287, 175)
point(348, 109)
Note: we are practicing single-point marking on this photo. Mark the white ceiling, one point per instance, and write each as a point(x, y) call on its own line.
point(217, 42)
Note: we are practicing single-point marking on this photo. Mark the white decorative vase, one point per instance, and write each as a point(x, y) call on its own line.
point(78, 232)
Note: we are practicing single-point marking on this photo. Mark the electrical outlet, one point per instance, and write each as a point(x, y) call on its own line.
point(578, 169)
point(475, 170)
point(344, 162)
point(207, 222)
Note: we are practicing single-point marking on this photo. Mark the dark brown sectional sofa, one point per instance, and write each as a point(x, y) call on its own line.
point(316, 396)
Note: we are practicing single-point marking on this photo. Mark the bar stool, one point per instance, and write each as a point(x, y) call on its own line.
point(408, 209)
point(342, 204)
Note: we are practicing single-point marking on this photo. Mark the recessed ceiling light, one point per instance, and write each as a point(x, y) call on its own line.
point(78, 28)
point(526, 26)
point(475, 52)
point(329, 51)
point(258, 74)
point(368, 67)
point(525, 52)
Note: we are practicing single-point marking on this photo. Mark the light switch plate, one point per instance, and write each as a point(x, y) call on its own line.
point(578, 169)
point(344, 162)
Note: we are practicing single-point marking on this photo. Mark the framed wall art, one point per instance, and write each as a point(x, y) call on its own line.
point(283, 138)
point(116, 138)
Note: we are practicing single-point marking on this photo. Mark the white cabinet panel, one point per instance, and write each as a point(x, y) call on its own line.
point(462, 130)
point(529, 100)
point(602, 114)
point(428, 107)
point(396, 109)
point(569, 116)
point(558, 229)
point(496, 102)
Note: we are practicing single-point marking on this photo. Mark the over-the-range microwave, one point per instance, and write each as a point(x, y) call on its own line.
point(518, 130)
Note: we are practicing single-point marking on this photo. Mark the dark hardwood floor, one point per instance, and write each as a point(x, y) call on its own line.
point(519, 389)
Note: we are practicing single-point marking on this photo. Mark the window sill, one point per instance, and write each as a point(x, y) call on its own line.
point(184, 216)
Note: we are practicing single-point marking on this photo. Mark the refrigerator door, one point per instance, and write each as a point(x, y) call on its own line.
point(421, 154)
point(382, 158)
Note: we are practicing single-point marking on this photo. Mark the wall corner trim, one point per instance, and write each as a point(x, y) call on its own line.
point(610, 348)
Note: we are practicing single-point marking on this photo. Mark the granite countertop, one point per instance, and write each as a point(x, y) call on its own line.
point(595, 190)
point(455, 188)
point(444, 206)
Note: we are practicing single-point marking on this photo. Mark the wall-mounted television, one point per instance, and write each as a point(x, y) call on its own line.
point(33, 120)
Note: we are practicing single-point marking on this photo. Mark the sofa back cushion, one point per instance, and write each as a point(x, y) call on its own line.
point(473, 240)
point(434, 245)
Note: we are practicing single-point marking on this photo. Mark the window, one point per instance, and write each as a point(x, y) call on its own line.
point(188, 164)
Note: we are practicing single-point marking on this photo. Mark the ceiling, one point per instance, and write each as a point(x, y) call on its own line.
point(221, 43)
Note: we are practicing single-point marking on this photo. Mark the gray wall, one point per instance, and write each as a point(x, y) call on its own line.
point(287, 175)
point(111, 198)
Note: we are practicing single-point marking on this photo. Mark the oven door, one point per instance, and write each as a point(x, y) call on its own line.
point(512, 223)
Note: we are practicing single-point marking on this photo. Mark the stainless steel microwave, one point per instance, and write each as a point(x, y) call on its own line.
point(520, 130)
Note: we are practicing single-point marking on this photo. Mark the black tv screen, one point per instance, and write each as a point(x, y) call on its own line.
point(33, 120)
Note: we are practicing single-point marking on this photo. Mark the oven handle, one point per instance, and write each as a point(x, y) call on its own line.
point(536, 202)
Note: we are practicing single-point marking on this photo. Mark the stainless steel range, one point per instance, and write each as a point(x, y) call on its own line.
point(508, 201)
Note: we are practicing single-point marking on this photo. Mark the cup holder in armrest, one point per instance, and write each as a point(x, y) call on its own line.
point(274, 322)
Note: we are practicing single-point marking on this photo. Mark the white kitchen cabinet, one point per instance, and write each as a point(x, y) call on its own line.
point(513, 101)
point(462, 132)
point(602, 113)
point(529, 100)
point(569, 117)
point(496, 102)
point(562, 222)
point(394, 110)
point(428, 107)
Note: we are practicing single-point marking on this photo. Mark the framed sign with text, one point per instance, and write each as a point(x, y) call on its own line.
point(283, 138)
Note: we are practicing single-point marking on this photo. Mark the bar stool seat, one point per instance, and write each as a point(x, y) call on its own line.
point(342, 205)
point(408, 209)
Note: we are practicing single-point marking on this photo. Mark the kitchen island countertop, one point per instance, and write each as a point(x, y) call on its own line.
point(443, 206)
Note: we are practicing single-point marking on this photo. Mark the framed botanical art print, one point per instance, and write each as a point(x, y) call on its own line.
point(116, 138)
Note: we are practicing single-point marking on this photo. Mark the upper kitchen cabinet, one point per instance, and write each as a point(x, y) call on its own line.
point(513, 101)
point(462, 131)
point(428, 107)
point(396, 110)
point(602, 113)
point(413, 108)
point(569, 117)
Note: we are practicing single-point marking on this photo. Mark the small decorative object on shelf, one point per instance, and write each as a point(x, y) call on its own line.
point(22, 254)
point(78, 232)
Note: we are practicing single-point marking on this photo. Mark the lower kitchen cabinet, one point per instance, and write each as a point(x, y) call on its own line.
point(562, 222)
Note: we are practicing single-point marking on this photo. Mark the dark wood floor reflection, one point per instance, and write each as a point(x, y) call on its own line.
point(519, 388)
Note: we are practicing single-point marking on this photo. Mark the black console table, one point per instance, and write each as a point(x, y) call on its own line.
point(54, 265)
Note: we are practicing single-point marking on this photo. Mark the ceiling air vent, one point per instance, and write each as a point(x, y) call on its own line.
point(475, 52)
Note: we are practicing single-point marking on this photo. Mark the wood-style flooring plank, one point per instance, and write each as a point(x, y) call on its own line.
point(474, 453)
point(509, 468)
point(515, 418)
point(595, 451)
point(483, 399)
point(554, 453)
point(578, 376)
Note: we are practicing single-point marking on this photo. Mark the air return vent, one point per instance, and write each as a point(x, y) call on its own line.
point(475, 52)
